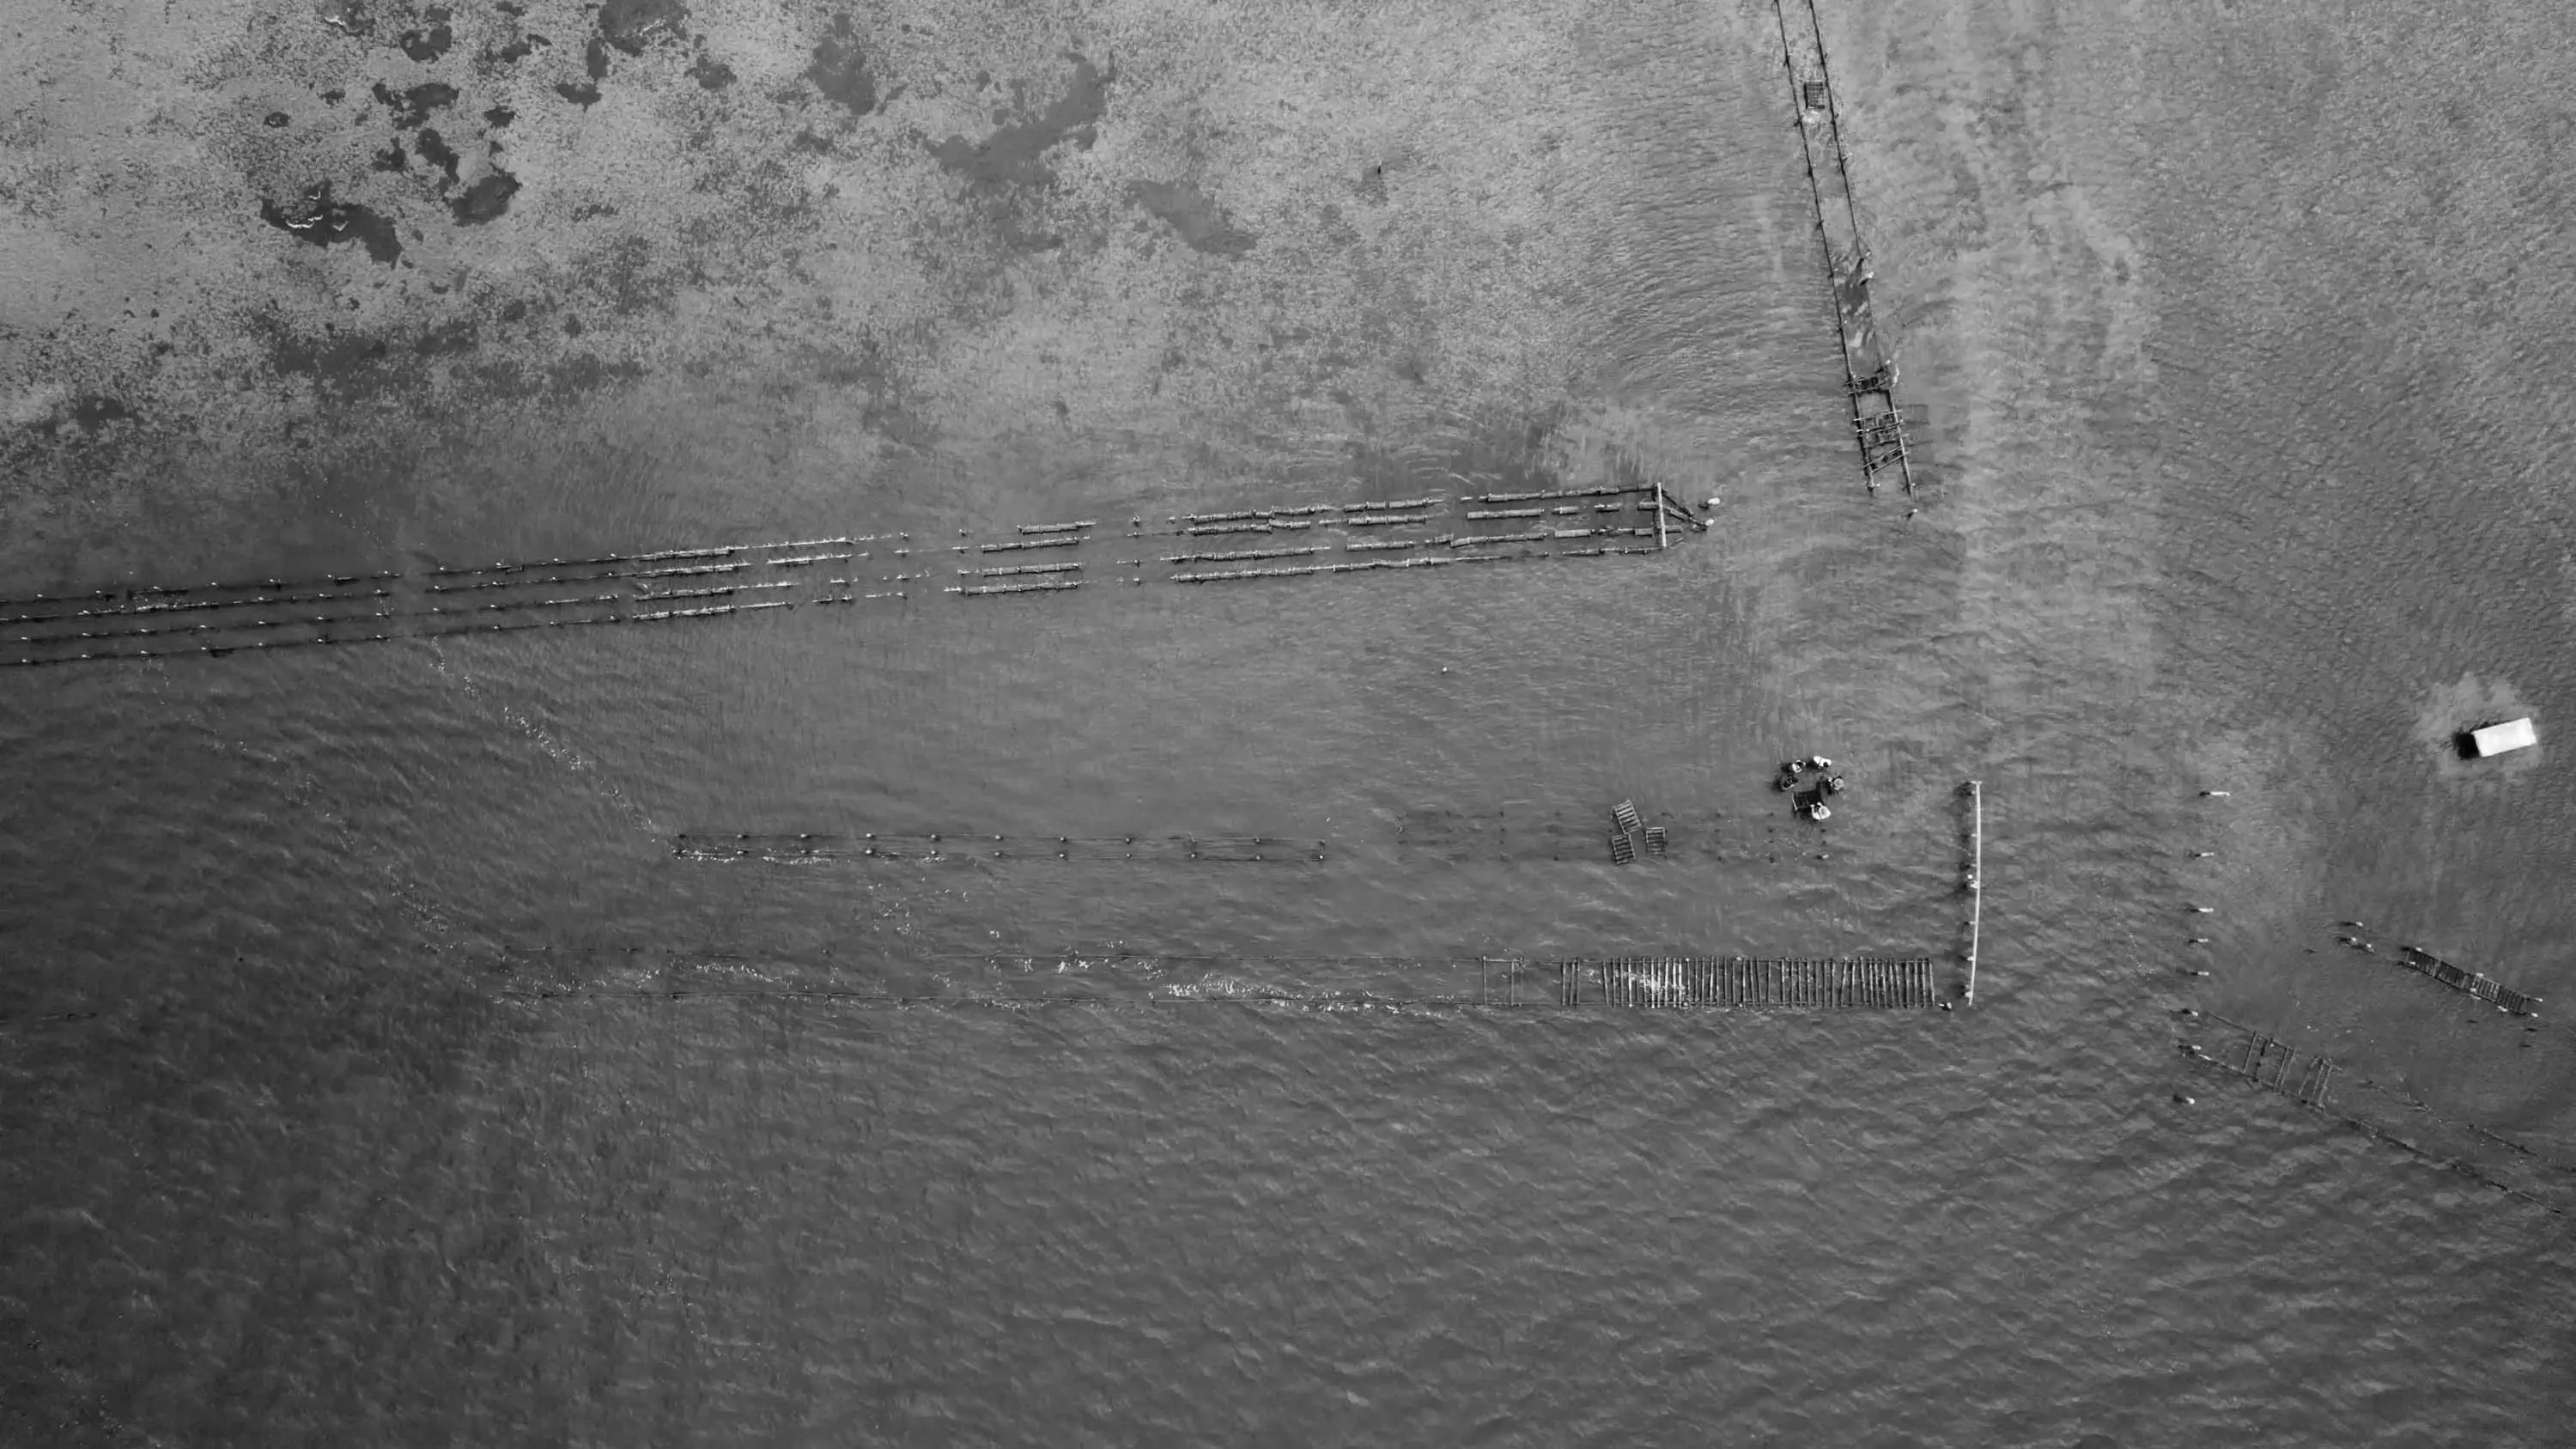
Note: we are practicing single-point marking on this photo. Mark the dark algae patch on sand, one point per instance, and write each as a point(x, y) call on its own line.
point(486, 199)
point(412, 107)
point(1013, 155)
point(428, 44)
point(316, 218)
point(840, 71)
point(631, 25)
point(1202, 227)
point(435, 151)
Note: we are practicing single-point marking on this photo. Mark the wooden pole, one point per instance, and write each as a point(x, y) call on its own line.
point(1976, 879)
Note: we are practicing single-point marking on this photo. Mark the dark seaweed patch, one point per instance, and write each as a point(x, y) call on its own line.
point(499, 116)
point(347, 16)
point(275, 120)
point(345, 364)
point(428, 45)
point(517, 50)
point(630, 25)
point(840, 71)
point(711, 74)
point(583, 94)
point(1013, 154)
point(435, 150)
point(485, 199)
point(594, 59)
point(456, 336)
point(1202, 227)
point(321, 221)
point(390, 159)
point(413, 106)
point(93, 412)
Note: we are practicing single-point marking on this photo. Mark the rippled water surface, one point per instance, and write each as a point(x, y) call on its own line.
point(2250, 474)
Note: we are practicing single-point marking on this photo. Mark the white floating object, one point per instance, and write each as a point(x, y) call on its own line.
point(2496, 739)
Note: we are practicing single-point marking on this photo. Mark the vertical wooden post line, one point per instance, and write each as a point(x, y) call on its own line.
point(1976, 879)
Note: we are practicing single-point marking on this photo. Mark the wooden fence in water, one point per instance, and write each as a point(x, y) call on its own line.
point(2460, 978)
point(1869, 358)
point(1676, 982)
point(729, 580)
point(2264, 1060)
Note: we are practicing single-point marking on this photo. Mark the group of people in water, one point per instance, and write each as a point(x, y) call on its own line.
point(1808, 800)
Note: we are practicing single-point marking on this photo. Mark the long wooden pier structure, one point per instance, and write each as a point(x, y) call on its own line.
point(1123, 978)
point(2263, 1059)
point(1976, 881)
point(1869, 359)
point(2393, 1117)
point(1358, 538)
point(2460, 978)
point(962, 846)
point(1681, 982)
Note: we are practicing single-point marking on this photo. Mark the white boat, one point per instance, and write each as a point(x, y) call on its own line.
point(2496, 739)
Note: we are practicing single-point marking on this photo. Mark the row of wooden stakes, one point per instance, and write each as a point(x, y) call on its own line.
point(1696, 981)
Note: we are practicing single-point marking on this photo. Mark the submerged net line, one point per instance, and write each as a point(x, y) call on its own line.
point(956, 846)
point(726, 580)
point(2308, 1079)
point(1558, 836)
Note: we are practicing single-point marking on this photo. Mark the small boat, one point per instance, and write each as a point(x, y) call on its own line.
point(2497, 739)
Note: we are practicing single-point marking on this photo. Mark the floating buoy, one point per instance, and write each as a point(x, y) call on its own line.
point(2203, 910)
point(2215, 794)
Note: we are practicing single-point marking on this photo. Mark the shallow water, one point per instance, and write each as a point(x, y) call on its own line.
point(315, 1171)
